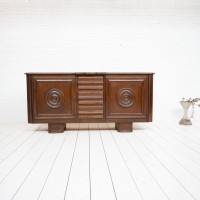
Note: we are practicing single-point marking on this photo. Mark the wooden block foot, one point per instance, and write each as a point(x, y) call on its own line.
point(56, 127)
point(124, 126)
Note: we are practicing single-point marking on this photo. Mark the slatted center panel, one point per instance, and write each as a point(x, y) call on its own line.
point(90, 97)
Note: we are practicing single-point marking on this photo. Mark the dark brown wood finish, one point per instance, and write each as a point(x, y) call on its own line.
point(54, 97)
point(56, 128)
point(60, 98)
point(126, 96)
point(90, 97)
point(124, 126)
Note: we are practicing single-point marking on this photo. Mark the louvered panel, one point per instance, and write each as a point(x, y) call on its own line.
point(90, 96)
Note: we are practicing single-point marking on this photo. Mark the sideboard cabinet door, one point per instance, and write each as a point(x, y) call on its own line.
point(127, 97)
point(53, 97)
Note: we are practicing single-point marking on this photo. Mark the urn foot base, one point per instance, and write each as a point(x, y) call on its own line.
point(185, 122)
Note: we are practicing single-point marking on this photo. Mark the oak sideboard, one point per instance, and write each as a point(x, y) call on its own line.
point(60, 98)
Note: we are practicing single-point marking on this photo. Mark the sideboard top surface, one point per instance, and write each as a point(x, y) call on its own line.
point(87, 73)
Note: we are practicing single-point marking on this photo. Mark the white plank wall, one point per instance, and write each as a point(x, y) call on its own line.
point(160, 36)
point(159, 161)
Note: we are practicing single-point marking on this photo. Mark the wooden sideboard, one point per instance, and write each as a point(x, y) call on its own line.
point(60, 98)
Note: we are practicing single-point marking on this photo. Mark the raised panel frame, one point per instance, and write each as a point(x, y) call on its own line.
point(70, 110)
point(117, 112)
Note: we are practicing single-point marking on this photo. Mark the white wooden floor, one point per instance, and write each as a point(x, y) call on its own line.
point(156, 161)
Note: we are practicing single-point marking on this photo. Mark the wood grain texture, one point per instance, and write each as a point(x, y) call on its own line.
point(94, 87)
point(60, 98)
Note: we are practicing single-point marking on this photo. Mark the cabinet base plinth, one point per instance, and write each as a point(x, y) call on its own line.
point(124, 126)
point(56, 127)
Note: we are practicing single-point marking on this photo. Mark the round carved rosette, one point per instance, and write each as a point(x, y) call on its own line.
point(125, 97)
point(54, 98)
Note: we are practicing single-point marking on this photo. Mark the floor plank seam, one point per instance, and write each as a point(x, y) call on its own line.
point(146, 167)
point(20, 160)
point(53, 164)
point(168, 170)
point(68, 178)
point(174, 158)
point(107, 163)
point(51, 140)
point(180, 134)
point(164, 139)
point(89, 164)
point(19, 146)
point(92, 161)
point(127, 167)
point(184, 143)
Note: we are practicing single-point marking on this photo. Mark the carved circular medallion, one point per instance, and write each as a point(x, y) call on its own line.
point(54, 98)
point(125, 97)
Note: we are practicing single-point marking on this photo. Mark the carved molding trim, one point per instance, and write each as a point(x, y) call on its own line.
point(55, 98)
point(125, 97)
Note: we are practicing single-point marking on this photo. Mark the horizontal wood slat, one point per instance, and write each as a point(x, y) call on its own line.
point(90, 107)
point(90, 92)
point(90, 102)
point(90, 116)
point(90, 97)
point(90, 78)
point(91, 87)
point(89, 82)
point(90, 112)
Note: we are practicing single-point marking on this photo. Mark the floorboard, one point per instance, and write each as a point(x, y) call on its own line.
point(158, 160)
point(101, 183)
point(57, 179)
point(147, 184)
point(79, 176)
point(124, 184)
